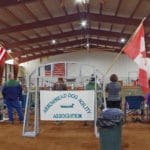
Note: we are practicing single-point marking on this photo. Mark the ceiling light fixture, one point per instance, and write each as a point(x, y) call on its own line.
point(53, 41)
point(82, 1)
point(9, 51)
point(84, 23)
point(87, 45)
point(122, 40)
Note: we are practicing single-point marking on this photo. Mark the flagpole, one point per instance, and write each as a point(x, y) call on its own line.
point(115, 59)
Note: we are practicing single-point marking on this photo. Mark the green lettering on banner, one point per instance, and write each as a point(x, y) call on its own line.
point(60, 116)
point(72, 96)
point(69, 95)
point(55, 116)
point(84, 105)
point(51, 103)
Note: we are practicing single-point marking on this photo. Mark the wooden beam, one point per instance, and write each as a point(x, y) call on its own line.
point(66, 44)
point(71, 18)
point(68, 34)
point(7, 3)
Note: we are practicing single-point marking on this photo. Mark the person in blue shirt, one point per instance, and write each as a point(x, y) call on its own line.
point(113, 88)
point(12, 93)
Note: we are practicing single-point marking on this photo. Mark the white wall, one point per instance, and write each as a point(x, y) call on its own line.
point(124, 66)
point(31, 65)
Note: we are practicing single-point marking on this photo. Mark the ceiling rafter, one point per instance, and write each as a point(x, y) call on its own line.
point(77, 7)
point(132, 14)
point(29, 12)
point(48, 54)
point(29, 58)
point(14, 38)
point(46, 9)
point(13, 15)
point(7, 3)
point(66, 13)
point(69, 34)
point(22, 60)
point(100, 12)
point(31, 38)
point(4, 23)
point(69, 43)
point(17, 18)
point(116, 12)
point(136, 8)
point(48, 12)
point(7, 25)
point(71, 18)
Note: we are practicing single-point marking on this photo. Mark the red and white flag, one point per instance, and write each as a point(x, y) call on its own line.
point(135, 49)
point(59, 69)
point(3, 53)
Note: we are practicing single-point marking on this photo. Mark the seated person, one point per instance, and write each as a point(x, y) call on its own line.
point(60, 85)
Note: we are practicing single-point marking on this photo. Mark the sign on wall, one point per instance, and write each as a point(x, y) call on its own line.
point(48, 70)
point(59, 69)
point(67, 105)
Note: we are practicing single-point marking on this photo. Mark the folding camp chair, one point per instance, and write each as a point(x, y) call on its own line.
point(148, 112)
point(134, 106)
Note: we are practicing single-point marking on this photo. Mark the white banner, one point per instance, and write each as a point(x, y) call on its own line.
point(67, 105)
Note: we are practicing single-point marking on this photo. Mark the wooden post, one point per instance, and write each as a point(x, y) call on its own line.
point(2, 65)
point(16, 69)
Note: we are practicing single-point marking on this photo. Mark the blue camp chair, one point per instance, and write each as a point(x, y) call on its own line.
point(148, 111)
point(133, 104)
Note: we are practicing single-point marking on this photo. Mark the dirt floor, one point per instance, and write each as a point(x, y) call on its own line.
point(70, 136)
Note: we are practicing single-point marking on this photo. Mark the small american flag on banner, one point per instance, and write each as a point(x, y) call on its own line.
point(47, 70)
point(59, 69)
point(3, 54)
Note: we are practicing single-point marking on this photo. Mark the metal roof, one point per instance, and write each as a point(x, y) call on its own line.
point(27, 27)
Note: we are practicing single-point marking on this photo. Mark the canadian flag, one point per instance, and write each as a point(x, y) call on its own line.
point(135, 49)
point(3, 53)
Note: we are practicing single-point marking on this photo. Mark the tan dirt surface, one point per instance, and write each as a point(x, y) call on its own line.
point(70, 136)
